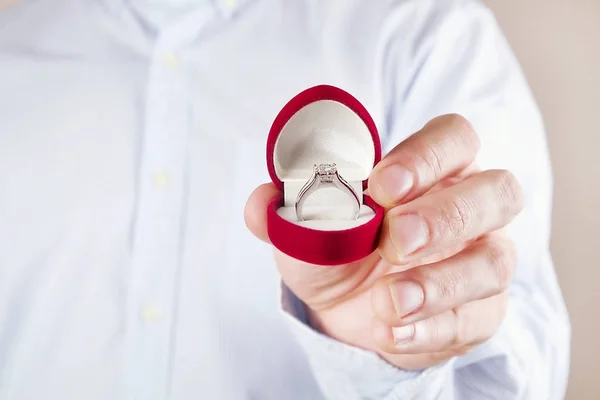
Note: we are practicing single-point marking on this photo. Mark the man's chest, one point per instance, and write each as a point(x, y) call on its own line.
point(140, 168)
point(123, 181)
point(123, 189)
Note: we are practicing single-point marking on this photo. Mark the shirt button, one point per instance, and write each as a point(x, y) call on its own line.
point(151, 314)
point(170, 60)
point(161, 180)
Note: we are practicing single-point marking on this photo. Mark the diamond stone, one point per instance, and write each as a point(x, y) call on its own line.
point(326, 172)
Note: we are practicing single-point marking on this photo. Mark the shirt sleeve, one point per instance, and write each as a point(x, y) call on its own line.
point(463, 65)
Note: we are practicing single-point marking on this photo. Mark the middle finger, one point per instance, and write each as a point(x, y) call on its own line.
point(482, 203)
point(482, 270)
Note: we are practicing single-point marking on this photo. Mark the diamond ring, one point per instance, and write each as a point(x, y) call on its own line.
point(326, 175)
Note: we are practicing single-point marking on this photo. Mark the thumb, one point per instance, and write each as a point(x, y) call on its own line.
point(318, 287)
point(255, 213)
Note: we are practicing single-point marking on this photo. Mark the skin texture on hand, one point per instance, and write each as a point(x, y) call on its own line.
point(437, 286)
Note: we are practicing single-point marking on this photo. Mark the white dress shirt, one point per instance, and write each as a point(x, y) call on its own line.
point(132, 133)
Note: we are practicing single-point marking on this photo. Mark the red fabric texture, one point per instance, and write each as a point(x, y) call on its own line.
point(326, 248)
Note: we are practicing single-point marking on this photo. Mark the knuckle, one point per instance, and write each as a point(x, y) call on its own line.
point(432, 156)
point(476, 322)
point(453, 142)
point(450, 287)
point(460, 336)
point(500, 258)
point(464, 129)
point(459, 216)
point(439, 330)
point(509, 191)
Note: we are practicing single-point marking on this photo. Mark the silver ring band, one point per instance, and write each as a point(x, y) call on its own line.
point(326, 175)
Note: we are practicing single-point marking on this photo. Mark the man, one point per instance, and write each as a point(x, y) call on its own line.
point(132, 137)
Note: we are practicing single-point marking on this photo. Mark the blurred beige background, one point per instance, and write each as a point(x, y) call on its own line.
point(558, 43)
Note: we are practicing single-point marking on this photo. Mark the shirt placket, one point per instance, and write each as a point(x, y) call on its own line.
point(159, 217)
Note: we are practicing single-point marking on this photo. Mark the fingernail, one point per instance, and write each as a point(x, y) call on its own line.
point(409, 233)
point(395, 181)
point(403, 334)
point(407, 297)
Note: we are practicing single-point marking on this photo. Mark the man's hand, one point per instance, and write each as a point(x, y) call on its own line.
point(437, 286)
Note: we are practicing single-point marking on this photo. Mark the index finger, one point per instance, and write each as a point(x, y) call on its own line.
point(444, 147)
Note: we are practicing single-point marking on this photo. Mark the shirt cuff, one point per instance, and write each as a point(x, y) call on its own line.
point(347, 372)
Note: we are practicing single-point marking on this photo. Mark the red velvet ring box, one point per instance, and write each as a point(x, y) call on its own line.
point(323, 125)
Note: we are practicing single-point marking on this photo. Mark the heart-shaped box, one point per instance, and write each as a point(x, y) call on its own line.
point(323, 125)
